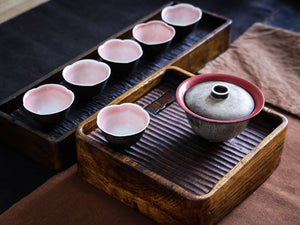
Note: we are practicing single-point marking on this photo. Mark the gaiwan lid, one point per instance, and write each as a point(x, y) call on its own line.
point(219, 100)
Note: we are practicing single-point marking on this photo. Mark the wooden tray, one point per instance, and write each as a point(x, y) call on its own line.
point(172, 175)
point(55, 148)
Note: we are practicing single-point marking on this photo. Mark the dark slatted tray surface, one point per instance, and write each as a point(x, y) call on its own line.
point(171, 149)
point(117, 85)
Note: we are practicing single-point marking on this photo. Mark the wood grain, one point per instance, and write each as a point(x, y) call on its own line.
point(171, 175)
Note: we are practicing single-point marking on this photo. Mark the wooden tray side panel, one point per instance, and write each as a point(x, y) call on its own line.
point(65, 155)
point(237, 185)
point(28, 143)
point(41, 149)
point(158, 188)
point(145, 194)
point(243, 183)
point(196, 58)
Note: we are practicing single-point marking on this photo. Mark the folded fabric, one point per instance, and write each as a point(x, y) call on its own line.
point(268, 57)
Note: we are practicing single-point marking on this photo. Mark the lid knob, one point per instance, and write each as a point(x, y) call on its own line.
point(220, 91)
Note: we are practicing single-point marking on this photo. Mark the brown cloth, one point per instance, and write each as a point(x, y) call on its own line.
point(277, 201)
point(270, 58)
point(66, 199)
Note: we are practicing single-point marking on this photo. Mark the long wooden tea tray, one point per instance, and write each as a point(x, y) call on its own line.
point(55, 148)
point(172, 175)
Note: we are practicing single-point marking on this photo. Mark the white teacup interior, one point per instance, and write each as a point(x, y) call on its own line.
point(123, 120)
point(120, 51)
point(153, 32)
point(48, 99)
point(86, 72)
point(181, 14)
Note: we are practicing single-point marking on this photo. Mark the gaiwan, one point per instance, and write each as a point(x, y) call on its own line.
point(219, 106)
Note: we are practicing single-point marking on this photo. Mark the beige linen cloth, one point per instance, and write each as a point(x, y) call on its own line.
point(268, 57)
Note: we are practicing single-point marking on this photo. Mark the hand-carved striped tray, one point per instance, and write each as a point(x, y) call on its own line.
point(171, 174)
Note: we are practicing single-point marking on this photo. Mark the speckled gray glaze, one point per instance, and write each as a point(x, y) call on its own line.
point(219, 106)
point(230, 103)
point(214, 131)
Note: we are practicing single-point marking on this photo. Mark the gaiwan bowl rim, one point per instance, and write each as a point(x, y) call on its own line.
point(253, 90)
point(122, 41)
point(44, 86)
point(119, 106)
point(81, 61)
point(149, 23)
point(192, 7)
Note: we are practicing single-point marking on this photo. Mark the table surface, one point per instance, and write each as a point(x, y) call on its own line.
point(35, 44)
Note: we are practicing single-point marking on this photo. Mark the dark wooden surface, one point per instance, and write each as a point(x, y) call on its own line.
point(172, 174)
